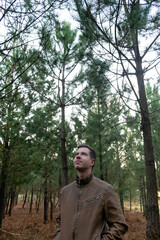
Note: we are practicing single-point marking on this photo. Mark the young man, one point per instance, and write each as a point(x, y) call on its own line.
point(88, 207)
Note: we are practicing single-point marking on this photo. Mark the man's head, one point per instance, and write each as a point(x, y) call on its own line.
point(92, 152)
point(85, 158)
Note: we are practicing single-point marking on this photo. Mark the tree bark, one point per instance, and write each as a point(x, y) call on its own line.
point(12, 196)
point(100, 157)
point(100, 139)
point(152, 210)
point(45, 201)
point(16, 198)
point(63, 135)
point(7, 203)
point(51, 206)
point(142, 195)
point(4, 173)
point(119, 175)
point(38, 200)
point(130, 200)
point(25, 199)
point(31, 201)
point(38, 203)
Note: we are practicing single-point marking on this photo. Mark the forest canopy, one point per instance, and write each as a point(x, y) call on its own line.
point(80, 71)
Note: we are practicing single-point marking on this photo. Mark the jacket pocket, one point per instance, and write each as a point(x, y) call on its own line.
point(92, 199)
point(94, 202)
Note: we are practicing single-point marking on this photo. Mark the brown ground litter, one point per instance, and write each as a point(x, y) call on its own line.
point(22, 225)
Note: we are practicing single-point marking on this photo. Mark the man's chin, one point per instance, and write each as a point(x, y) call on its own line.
point(77, 167)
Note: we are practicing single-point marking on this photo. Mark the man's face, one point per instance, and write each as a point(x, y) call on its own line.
point(82, 159)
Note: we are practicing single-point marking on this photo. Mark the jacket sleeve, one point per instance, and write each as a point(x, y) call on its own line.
point(58, 221)
point(114, 217)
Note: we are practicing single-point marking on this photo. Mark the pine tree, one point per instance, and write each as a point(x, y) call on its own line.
point(119, 28)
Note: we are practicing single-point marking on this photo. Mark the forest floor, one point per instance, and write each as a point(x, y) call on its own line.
point(24, 226)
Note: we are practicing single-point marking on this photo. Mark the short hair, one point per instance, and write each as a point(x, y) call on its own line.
point(92, 152)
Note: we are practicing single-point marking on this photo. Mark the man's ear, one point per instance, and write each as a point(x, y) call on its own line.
point(92, 162)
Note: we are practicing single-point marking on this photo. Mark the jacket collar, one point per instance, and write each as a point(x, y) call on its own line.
point(84, 181)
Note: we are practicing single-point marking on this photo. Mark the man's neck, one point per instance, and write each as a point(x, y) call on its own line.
point(83, 175)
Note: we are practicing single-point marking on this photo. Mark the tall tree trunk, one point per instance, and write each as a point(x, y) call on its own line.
point(25, 198)
point(16, 198)
point(38, 201)
point(100, 139)
point(121, 200)
point(31, 201)
point(51, 201)
point(100, 156)
point(158, 163)
point(63, 135)
point(7, 203)
point(3, 180)
point(130, 200)
point(120, 181)
point(60, 178)
point(12, 196)
point(140, 203)
point(45, 201)
point(152, 210)
point(143, 195)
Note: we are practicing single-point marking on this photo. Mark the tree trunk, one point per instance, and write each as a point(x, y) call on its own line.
point(100, 157)
point(140, 203)
point(63, 136)
point(7, 203)
point(12, 196)
point(31, 201)
point(51, 206)
point(38, 201)
point(45, 201)
point(16, 199)
point(152, 210)
point(25, 199)
point(100, 139)
point(60, 178)
point(51, 201)
point(3, 180)
point(120, 180)
point(143, 195)
point(130, 200)
point(121, 200)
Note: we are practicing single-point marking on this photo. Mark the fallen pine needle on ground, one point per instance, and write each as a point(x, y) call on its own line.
point(22, 225)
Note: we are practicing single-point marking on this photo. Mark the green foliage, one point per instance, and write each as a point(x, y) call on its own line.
point(31, 96)
point(28, 4)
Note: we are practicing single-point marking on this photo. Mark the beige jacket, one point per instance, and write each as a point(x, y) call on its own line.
point(85, 209)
